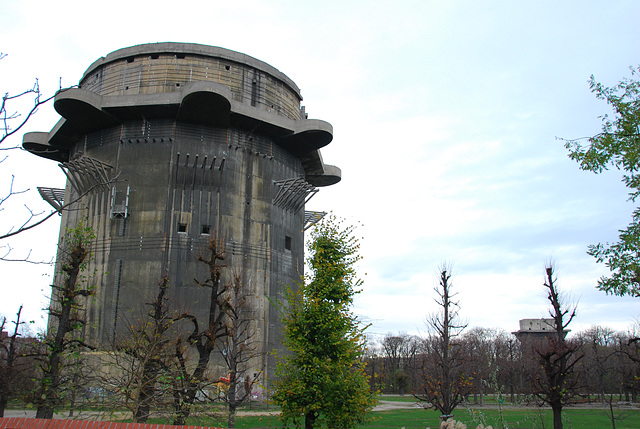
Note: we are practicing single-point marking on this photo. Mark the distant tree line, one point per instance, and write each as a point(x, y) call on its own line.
point(498, 364)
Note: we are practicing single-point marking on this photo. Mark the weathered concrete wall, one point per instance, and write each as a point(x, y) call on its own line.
point(196, 141)
point(153, 71)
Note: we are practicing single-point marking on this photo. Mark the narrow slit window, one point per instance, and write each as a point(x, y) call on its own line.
point(254, 92)
point(287, 242)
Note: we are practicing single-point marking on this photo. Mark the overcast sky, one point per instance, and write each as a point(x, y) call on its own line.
point(446, 116)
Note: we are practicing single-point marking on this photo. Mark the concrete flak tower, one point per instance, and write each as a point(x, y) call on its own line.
point(165, 145)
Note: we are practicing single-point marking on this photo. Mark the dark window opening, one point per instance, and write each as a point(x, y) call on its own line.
point(254, 92)
point(154, 56)
point(182, 227)
point(227, 67)
point(130, 59)
point(287, 242)
point(180, 56)
point(206, 229)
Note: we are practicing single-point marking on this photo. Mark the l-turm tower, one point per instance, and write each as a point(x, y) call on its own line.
point(166, 145)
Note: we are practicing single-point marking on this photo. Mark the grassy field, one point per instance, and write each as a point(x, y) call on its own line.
point(522, 418)
point(512, 418)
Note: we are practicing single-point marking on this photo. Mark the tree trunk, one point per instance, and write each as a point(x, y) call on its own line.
point(142, 413)
point(557, 416)
point(145, 394)
point(231, 397)
point(47, 394)
point(44, 412)
point(181, 410)
point(3, 404)
point(310, 420)
point(612, 415)
point(50, 383)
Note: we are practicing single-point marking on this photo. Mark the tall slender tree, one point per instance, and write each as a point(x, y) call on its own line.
point(142, 358)
point(444, 381)
point(239, 348)
point(558, 382)
point(322, 380)
point(67, 314)
point(203, 336)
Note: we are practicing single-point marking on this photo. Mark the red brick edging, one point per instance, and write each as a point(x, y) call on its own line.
point(24, 423)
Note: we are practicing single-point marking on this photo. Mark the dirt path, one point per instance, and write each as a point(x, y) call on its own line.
point(395, 405)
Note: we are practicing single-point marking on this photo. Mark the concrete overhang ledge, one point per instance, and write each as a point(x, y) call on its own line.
point(330, 176)
point(37, 143)
point(195, 99)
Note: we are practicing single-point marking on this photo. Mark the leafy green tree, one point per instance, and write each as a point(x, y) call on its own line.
point(618, 145)
point(323, 380)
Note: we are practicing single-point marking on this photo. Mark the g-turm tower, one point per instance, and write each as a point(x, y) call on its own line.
point(165, 145)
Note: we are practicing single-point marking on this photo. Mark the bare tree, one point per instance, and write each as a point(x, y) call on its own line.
point(67, 310)
point(481, 360)
point(133, 369)
point(444, 382)
point(600, 369)
point(509, 365)
point(15, 111)
point(629, 347)
point(399, 352)
point(13, 117)
point(12, 120)
point(558, 382)
point(204, 338)
point(15, 368)
point(238, 348)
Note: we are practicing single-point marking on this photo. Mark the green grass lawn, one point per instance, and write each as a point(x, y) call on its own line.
point(513, 418)
point(523, 418)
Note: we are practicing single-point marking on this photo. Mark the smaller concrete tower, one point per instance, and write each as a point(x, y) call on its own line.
point(536, 330)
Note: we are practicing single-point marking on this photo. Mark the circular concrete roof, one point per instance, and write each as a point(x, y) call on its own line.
point(193, 49)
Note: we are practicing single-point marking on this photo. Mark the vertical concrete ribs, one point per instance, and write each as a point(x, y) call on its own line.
point(166, 144)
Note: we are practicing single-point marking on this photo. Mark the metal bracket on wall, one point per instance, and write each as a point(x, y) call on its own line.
point(87, 174)
point(311, 218)
point(293, 194)
point(53, 196)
